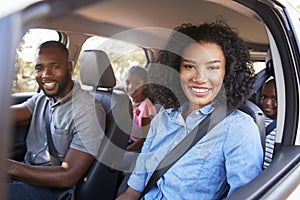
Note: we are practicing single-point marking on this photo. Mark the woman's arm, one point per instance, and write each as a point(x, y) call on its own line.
point(243, 152)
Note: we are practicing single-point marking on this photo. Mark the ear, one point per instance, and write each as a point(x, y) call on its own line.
point(70, 67)
point(144, 86)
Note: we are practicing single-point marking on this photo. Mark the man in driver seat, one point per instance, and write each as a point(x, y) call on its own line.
point(76, 129)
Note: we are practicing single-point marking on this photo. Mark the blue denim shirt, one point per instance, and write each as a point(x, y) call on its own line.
point(224, 160)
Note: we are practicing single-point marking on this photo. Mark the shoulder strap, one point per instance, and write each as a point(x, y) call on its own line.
point(271, 127)
point(261, 78)
point(185, 145)
point(52, 149)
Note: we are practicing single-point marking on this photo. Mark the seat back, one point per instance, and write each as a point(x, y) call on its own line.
point(259, 118)
point(102, 179)
point(251, 106)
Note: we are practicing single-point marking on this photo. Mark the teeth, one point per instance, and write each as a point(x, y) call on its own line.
point(199, 90)
point(49, 84)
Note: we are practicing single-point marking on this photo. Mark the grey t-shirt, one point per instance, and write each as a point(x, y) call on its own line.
point(76, 121)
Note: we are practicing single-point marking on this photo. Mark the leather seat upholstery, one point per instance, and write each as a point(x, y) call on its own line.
point(102, 179)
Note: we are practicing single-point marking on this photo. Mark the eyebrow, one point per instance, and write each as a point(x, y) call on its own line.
point(210, 62)
point(52, 63)
point(214, 61)
point(186, 60)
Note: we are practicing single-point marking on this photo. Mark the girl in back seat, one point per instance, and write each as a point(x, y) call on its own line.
point(136, 87)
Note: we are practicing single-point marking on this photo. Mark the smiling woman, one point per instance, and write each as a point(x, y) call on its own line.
point(210, 60)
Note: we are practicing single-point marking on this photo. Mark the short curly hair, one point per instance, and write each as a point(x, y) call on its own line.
point(239, 71)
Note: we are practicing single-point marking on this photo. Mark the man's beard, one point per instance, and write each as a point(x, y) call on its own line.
point(61, 86)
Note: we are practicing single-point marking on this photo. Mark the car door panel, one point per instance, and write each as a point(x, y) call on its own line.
point(285, 161)
point(18, 145)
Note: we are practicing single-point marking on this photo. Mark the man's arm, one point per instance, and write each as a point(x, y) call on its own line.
point(75, 164)
point(21, 115)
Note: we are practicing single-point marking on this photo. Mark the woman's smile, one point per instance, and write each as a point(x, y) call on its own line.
point(202, 71)
point(200, 91)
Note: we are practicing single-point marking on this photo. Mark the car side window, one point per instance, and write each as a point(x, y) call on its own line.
point(24, 80)
point(122, 55)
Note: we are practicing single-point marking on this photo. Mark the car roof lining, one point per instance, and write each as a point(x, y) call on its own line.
point(110, 17)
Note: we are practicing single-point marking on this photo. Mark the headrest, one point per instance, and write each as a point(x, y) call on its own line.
point(96, 69)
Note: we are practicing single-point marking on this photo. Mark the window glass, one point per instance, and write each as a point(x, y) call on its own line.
point(258, 66)
point(121, 54)
point(24, 80)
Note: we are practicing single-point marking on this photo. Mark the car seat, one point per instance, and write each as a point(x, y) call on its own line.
point(101, 180)
point(261, 78)
point(251, 106)
point(258, 116)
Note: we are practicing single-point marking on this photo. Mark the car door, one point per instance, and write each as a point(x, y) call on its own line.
point(282, 177)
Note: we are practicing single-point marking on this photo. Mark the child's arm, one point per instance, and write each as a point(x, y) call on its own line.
point(139, 143)
point(136, 145)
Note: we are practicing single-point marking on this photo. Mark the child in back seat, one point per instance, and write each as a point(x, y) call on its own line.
point(143, 110)
point(268, 103)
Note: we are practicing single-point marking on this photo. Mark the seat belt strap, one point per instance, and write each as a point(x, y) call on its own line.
point(262, 76)
point(186, 144)
point(52, 150)
point(271, 127)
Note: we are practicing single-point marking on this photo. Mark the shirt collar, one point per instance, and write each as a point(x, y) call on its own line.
point(201, 111)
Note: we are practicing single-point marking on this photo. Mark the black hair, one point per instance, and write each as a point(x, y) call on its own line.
point(139, 70)
point(239, 72)
point(270, 81)
point(143, 73)
point(55, 44)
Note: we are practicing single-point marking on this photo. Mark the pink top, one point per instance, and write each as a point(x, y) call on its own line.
point(145, 110)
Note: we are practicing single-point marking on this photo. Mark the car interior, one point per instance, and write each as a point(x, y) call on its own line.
point(147, 24)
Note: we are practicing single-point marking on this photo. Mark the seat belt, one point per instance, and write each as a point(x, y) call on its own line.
point(186, 144)
point(261, 78)
point(271, 127)
point(52, 150)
